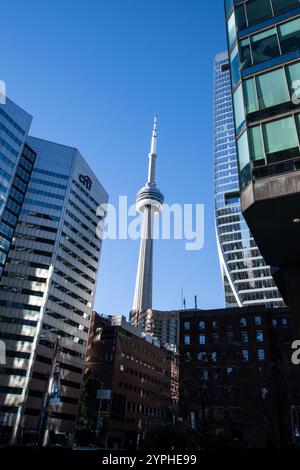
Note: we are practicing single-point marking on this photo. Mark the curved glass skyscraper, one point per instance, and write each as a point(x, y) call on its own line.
point(247, 278)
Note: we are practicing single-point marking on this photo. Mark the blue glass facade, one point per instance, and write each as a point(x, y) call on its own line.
point(247, 278)
point(16, 163)
point(264, 51)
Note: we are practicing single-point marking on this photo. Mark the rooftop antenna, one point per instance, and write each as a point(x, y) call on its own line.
point(196, 306)
point(182, 298)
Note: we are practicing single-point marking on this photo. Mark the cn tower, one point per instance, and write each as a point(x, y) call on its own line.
point(149, 201)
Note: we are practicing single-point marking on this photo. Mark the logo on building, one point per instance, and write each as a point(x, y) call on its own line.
point(86, 181)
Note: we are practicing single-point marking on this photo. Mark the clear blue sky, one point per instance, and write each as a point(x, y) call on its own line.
point(92, 73)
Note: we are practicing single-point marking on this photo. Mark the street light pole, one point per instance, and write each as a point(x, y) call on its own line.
point(43, 431)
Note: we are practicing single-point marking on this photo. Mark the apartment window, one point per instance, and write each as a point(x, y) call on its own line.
point(231, 30)
point(244, 337)
point(202, 356)
point(284, 322)
point(187, 325)
point(251, 101)
point(256, 145)
point(235, 66)
point(241, 20)
point(293, 74)
point(259, 336)
point(202, 325)
point(258, 320)
point(289, 34)
point(245, 355)
point(280, 6)
point(274, 322)
point(281, 139)
point(243, 322)
point(215, 324)
point(187, 340)
point(230, 337)
point(245, 53)
point(202, 339)
point(265, 46)
point(239, 108)
point(244, 160)
point(205, 375)
point(215, 338)
point(261, 354)
point(214, 356)
point(272, 89)
point(258, 10)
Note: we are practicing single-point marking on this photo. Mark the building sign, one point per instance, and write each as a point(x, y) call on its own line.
point(86, 181)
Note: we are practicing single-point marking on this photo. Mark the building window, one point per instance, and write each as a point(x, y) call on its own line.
point(243, 322)
point(235, 66)
point(245, 355)
point(293, 74)
point(205, 375)
point(202, 325)
point(215, 338)
point(202, 339)
point(244, 337)
point(251, 101)
point(274, 322)
point(214, 356)
point(187, 340)
point(245, 53)
point(257, 150)
point(258, 320)
point(259, 336)
point(230, 337)
point(281, 140)
point(239, 108)
point(289, 34)
point(202, 356)
point(265, 46)
point(187, 325)
point(280, 6)
point(215, 324)
point(284, 322)
point(231, 30)
point(241, 20)
point(261, 354)
point(258, 10)
point(244, 160)
point(272, 89)
point(228, 6)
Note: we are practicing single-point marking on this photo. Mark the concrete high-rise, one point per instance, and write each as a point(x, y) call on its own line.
point(264, 48)
point(247, 279)
point(149, 201)
point(47, 292)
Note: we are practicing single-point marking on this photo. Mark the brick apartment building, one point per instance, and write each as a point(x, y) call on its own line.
point(139, 377)
point(236, 373)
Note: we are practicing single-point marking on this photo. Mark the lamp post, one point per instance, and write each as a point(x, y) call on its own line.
point(42, 430)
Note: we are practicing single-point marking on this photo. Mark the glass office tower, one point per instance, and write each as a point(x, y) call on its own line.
point(16, 162)
point(47, 291)
point(264, 50)
point(247, 278)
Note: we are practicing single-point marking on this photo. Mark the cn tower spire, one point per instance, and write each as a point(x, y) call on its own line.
point(149, 200)
point(152, 154)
